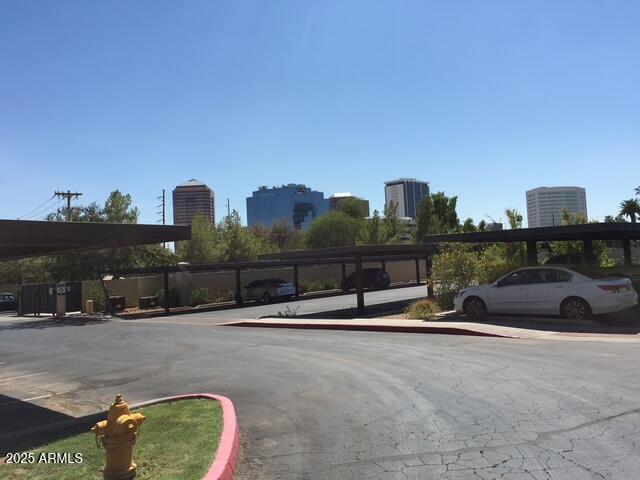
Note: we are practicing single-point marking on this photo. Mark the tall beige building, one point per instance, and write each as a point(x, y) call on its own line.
point(190, 198)
point(545, 205)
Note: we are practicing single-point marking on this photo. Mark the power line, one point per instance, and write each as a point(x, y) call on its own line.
point(44, 211)
point(37, 208)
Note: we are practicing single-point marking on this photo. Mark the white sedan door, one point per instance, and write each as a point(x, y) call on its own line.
point(544, 296)
point(509, 295)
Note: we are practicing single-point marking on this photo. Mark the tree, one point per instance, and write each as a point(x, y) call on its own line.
point(630, 208)
point(425, 219)
point(333, 229)
point(236, 243)
point(85, 265)
point(27, 270)
point(435, 214)
point(286, 236)
point(514, 217)
point(354, 207)
point(444, 208)
point(118, 209)
point(468, 226)
point(482, 226)
point(202, 246)
point(391, 224)
point(637, 190)
point(371, 233)
point(577, 218)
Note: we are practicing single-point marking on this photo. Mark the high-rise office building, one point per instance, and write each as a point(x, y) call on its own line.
point(190, 198)
point(296, 203)
point(545, 205)
point(406, 193)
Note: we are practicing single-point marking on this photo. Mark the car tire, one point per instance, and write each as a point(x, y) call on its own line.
point(474, 307)
point(266, 297)
point(575, 308)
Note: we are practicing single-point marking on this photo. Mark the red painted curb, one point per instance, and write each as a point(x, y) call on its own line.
point(370, 328)
point(224, 465)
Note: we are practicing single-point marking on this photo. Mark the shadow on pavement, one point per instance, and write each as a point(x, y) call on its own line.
point(627, 322)
point(39, 324)
point(21, 420)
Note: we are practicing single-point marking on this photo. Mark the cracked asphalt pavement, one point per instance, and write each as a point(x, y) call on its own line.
point(355, 405)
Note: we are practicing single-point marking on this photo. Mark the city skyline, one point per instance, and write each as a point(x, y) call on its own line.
point(485, 101)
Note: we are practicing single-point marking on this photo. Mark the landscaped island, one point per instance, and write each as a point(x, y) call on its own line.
point(177, 441)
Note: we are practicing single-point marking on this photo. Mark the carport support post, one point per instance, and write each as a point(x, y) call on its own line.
point(626, 248)
point(107, 303)
point(383, 266)
point(417, 271)
point(587, 247)
point(429, 270)
point(532, 252)
point(167, 306)
point(295, 280)
point(343, 270)
point(359, 286)
point(238, 288)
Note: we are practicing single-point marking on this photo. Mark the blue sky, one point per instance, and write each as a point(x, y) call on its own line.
point(482, 99)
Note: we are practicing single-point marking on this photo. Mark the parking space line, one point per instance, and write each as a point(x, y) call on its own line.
point(21, 376)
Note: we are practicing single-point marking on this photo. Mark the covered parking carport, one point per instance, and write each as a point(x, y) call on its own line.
point(297, 259)
point(586, 233)
point(360, 254)
point(21, 239)
point(26, 238)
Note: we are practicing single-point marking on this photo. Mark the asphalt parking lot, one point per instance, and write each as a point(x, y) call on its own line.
point(351, 405)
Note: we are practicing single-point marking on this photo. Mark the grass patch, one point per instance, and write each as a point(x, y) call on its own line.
point(177, 440)
point(422, 310)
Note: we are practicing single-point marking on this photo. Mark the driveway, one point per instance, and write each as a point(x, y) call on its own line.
point(354, 405)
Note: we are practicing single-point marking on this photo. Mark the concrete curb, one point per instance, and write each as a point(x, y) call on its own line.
point(225, 462)
point(368, 328)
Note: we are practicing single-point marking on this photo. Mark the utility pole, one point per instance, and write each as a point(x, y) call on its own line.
point(68, 195)
point(163, 205)
point(228, 209)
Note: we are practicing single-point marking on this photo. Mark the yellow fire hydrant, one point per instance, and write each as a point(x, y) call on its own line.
point(117, 434)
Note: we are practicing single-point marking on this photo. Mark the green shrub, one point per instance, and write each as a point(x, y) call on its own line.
point(174, 297)
point(227, 296)
point(422, 310)
point(495, 261)
point(454, 267)
point(319, 285)
point(200, 296)
point(97, 295)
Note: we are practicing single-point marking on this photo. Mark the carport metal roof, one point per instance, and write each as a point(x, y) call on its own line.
point(366, 252)
point(21, 238)
point(587, 231)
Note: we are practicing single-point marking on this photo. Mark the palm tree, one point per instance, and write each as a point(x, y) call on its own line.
point(637, 190)
point(630, 208)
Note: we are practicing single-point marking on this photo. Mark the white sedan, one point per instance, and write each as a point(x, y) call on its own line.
point(548, 291)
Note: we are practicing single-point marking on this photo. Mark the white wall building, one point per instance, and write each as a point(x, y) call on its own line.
point(546, 204)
